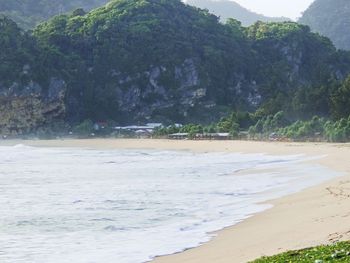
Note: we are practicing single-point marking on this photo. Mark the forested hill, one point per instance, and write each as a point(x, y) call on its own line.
point(28, 13)
point(330, 18)
point(229, 9)
point(161, 60)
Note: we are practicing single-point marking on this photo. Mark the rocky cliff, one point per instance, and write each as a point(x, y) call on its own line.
point(24, 109)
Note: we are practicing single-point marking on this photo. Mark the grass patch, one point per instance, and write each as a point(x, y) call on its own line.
point(339, 252)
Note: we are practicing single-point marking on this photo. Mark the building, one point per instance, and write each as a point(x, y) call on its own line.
point(178, 136)
point(139, 130)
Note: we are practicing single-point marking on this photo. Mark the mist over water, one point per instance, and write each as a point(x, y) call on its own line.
point(76, 205)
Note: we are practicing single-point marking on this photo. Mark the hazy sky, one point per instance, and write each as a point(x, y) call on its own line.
point(288, 8)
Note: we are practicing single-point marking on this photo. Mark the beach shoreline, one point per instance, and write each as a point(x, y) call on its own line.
point(317, 215)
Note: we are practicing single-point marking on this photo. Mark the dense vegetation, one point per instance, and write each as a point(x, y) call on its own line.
point(276, 65)
point(123, 45)
point(243, 125)
point(29, 13)
point(331, 19)
point(279, 126)
point(295, 69)
point(164, 61)
point(23, 59)
point(339, 252)
point(14, 49)
point(226, 9)
point(18, 51)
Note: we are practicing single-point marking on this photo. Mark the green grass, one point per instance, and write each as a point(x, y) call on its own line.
point(339, 252)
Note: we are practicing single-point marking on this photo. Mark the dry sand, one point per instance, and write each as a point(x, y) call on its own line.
point(318, 215)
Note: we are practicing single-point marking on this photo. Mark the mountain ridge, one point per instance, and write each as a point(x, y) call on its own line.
point(162, 61)
point(330, 18)
point(226, 9)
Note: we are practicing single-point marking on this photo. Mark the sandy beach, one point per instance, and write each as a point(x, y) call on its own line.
point(318, 215)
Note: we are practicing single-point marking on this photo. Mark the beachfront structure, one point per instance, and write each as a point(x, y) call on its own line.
point(140, 130)
point(176, 125)
point(200, 136)
point(178, 136)
point(100, 125)
point(214, 136)
point(154, 125)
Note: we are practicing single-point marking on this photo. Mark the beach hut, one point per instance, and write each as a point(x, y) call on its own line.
point(178, 136)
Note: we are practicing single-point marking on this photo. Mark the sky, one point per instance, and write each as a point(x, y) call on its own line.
point(287, 8)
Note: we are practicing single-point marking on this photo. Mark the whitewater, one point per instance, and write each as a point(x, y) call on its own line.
point(60, 205)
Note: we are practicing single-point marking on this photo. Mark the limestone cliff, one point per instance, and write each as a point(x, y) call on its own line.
point(27, 108)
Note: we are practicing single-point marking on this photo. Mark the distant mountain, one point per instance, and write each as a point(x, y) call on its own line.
point(228, 9)
point(28, 13)
point(330, 18)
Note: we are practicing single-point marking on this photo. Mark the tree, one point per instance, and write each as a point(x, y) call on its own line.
point(84, 129)
point(341, 100)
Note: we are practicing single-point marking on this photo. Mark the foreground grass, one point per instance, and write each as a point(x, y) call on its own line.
point(340, 252)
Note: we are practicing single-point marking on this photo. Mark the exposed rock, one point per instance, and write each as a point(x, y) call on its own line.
point(141, 101)
point(23, 109)
point(187, 74)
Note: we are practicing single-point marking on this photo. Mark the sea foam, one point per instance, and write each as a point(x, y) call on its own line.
point(61, 205)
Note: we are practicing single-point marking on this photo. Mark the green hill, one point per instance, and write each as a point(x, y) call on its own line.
point(154, 58)
point(28, 13)
point(30, 97)
point(162, 60)
point(16, 50)
point(330, 18)
point(229, 9)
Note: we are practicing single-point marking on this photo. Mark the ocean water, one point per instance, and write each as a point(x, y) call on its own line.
point(60, 205)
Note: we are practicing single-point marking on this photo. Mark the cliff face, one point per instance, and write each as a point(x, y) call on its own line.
point(154, 95)
point(27, 108)
point(181, 93)
point(150, 60)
